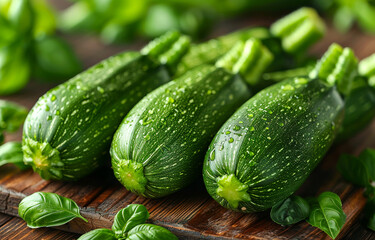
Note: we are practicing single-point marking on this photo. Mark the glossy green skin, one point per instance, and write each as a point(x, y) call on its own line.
point(278, 138)
point(169, 131)
point(78, 118)
point(359, 112)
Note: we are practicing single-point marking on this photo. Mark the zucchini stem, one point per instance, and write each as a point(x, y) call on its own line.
point(248, 58)
point(43, 158)
point(132, 176)
point(338, 67)
point(168, 49)
point(232, 190)
point(299, 30)
point(367, 68)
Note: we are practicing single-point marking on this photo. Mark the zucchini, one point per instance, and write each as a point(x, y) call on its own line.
point(68, 132)
point(160, 145)
point(268, 148)
point(287, 38)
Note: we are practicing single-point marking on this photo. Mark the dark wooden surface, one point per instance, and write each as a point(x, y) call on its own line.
point(191, 213)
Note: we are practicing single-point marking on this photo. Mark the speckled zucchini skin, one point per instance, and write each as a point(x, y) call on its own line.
point(165, 136)
point(68, 132)
point(272, 143)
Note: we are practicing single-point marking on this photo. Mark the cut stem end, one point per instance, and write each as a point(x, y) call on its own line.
point(232, 190)
point(44, 159)
point(248, 58)
point(132, 176)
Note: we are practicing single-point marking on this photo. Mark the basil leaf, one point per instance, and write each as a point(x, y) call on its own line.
point(8, 33)
point(150, 231)
point(11, 152)
point(290, 211)
point(47, 209)
point(45, 19)
point(361, 170)
point(128, 218)
point(54, 59)
point(21, 15)
point(327, 214)
point(14, 66)
point(12, 116)
point(99, 234)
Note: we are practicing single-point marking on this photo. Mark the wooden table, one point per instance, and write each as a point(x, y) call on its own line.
point(191, 213)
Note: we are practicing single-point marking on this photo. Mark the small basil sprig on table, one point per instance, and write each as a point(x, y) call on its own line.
point(290, 211)
point(11, 152)
point(129, 223)
point(326, 213)
point(47, 209)
point(128, 218)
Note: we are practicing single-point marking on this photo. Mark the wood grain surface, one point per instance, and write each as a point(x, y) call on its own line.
point(190, 213)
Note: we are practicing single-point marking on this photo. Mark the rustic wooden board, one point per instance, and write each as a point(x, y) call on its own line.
point(191, 213)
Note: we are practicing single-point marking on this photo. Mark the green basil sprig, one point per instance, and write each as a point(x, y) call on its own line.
point(47, 209)
point(129, 223)
point(128, 218)
point(324, 212)
point(290, 211)
point(327, 214)
point(11, 152)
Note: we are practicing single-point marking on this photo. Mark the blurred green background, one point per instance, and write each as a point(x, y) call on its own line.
point(30, 47)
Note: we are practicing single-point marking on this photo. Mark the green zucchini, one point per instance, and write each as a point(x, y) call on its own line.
point(288, 37)
point(68, 132)
point(268, 148)
point(160, 145)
